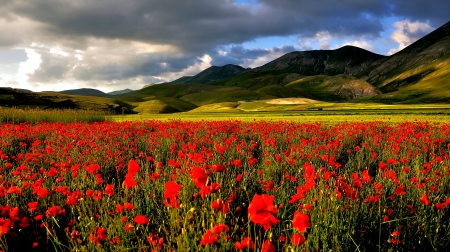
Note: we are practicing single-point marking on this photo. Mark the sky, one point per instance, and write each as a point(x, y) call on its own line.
point(54, 45)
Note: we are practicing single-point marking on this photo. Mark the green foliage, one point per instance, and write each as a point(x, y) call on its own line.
point(30, 115)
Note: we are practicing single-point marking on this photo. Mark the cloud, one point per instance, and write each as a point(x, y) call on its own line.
point(28, 67)
point(113, 41)
point(407, 32)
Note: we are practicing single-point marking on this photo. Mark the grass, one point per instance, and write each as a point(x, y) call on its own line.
point(35, 115)
point(326, 116)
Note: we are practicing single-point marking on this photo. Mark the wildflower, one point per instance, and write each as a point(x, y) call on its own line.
point(301, 222)
point(199, 177)
point(171, 194)
point(141, 220)
point(209, 238)
point(109, 190)
point(297, 239)
point(246, 243)
point(267, 247)
point(424, 199)
point(261, 209)
point(32, 206)
point(133, 167)
point(219, 167)
point(219, 228)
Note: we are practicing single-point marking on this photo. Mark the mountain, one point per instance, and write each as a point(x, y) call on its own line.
point(121, 92)
point(85, 92)
point(211, 74)
point(392, 72)
point(345, 60)
point(420, 73)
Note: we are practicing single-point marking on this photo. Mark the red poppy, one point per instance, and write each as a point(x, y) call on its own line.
point(128, 206)
point(267, 247)
point(109, 190)
point(129, 227)
point(119, 208)
point(129, 181)
point(24, 222)
point(171, 194)
point(141, 220)
point(301, 222)
point(399, 190)
point(4, 226)
point(261, 209)
point(41, 192)
point(219, 167)
point(101, 234)
point(133, 167)
point(366, 177)
point(424, 199)
point(93, 168)
point(32, 206)
point(199, 177)
point(220, 227)
point(246, 243)
point(53, 211)
point(297, 239)
point(220, 205)
point(209, 238)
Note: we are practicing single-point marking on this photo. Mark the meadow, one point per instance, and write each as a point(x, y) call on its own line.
point(207, 182)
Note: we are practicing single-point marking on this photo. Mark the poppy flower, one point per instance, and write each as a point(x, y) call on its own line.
point(297, 239)
point(220, 227)
point(245, 243)
point(301, 222)
point(92, 168)
point(219, 167)
point(209, 238)
point(171, 194)
point(101, 234)
point(129, 181)
point(109, 190)
point(424, 199)
point(220, 205)
point(128, 206)
point(4, 226)
point(133, 167)
point(32, 206)
point(260, 211)
point(141, 220)
point(24, 222)
point(267, 246)
point(129, 227)
point(199, 177)
point(53, 211)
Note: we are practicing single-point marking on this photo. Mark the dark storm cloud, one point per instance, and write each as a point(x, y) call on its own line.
point(193, 27)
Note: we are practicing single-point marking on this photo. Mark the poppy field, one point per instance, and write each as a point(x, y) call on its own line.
point(224, 186)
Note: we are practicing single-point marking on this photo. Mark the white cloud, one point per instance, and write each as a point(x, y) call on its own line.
point(58, 51)
point(203, 63)
point(271, 54)
point(408, 32)
point(361, 44)
point(28, 67)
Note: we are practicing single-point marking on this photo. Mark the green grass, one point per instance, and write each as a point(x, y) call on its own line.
point(35, 115)
point(224, 107)
point(326, 116)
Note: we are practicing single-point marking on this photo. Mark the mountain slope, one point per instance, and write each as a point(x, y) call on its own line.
point(334, 88)
point(85, 92)
point(345, 60)
point(120, 92)
point(394, 72)
point(212, 74)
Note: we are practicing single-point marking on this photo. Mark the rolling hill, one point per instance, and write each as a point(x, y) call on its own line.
point(211, 74)
point(420, 73)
